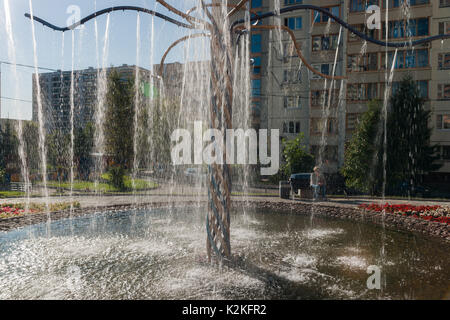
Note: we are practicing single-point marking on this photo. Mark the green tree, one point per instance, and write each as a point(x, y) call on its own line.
point(296, 158)
point(119, 125)
point(58, 155)
point(83, 144)
point(31, 145)
point(9, 149)
point(361, 155)
point(409, 153)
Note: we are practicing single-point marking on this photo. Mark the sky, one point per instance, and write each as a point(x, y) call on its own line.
point(54, 49)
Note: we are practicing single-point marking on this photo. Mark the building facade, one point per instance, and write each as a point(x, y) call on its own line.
point(56, 95)
point(293, 99)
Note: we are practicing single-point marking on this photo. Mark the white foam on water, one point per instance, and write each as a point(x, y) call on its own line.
point(317, 234)
point(204, 282)
point(353, 262)
point(152, 247)
point(343, 293)
point(301, 260)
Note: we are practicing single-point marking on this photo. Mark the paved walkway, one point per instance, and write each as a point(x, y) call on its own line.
point(89, 201)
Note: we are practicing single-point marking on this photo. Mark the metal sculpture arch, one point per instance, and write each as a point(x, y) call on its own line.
point(221, 109)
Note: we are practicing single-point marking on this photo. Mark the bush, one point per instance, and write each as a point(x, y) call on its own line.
point(2, 177)
point(117, 175)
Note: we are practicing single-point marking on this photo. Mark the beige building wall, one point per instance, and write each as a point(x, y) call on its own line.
point(440, 104)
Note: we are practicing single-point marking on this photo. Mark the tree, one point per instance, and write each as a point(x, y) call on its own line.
point(8, 149)
point(409, 153)
point(58, 155)
point(119, 124)
point(31, 145)
point(297, 159)
point(361, 155)
point(83, 144)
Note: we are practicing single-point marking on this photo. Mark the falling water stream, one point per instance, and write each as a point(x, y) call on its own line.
point(38, 94)
point(102, 87)
point(137, 109)
point(21, 150)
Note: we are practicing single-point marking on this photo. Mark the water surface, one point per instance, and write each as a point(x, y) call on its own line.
point(160, 254)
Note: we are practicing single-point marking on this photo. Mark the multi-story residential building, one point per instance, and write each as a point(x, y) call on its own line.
point(293, 99)
point(56, 95)
point(440, 88)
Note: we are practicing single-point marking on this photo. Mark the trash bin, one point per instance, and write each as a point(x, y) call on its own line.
point(285, 189)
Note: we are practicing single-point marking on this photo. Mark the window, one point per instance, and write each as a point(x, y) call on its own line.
point(446, 152)
point(324, 68)
point(362, 91)
point(422, 86)
point(256, 65)
point(444, 27)
point(361, 5)
point(256, 43)
point(399, 3)
point(372, 33)
point(320, 98)
point(317, 126)
point(423, 89)
point(256, 87)
point(294, 23)
point(408, 59)
point(352, 121)
point(256, 3)
point(443, 121)
point(415, 27)
point(291, 127)
point(325, 43)
point(367, 62)
point(319, 17)
point(292, 102)
point(291, 2)
point(443, 91)
point(444, 61)
point(292, 76)
point(444, 3)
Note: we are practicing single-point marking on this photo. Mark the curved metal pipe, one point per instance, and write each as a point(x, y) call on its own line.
point(345, 25)
point(163, 59)
point(108, 10)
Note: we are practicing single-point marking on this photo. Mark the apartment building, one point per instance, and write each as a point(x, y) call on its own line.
point(56, 95)
point(440, 88)
point(293, 99)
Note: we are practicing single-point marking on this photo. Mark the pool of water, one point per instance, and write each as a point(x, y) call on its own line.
point(160, 254)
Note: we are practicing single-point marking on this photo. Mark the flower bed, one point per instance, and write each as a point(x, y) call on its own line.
point(429, 213)
point(18, 209)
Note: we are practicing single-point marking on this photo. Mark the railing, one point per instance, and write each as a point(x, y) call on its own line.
point(21, 186)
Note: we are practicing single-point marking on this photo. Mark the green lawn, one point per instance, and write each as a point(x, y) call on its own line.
point(11, 194)
point(104, 187)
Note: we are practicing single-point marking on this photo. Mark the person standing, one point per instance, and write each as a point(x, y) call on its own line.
point(319, 184)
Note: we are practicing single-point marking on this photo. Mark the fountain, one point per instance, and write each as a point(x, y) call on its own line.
point(176, 243)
